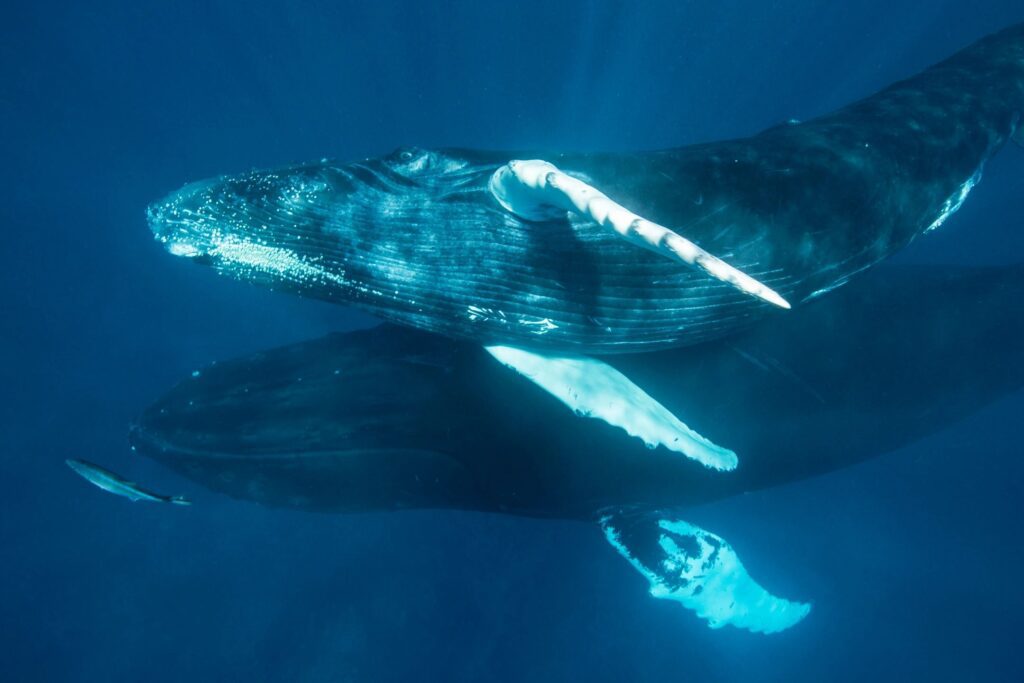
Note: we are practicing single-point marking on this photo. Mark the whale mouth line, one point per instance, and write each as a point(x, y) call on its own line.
point(141, 439)
point(144, 440)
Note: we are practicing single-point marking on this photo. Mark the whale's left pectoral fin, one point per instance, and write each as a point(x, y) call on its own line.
point(537, 190)
point(699, 570)
point(592, 388)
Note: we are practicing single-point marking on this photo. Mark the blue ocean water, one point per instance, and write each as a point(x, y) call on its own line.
point(912, 560)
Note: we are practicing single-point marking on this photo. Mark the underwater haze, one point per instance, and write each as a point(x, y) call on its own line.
point(912, 560)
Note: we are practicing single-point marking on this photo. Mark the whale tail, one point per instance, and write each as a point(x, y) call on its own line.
point(179, 500)
point(700, 571)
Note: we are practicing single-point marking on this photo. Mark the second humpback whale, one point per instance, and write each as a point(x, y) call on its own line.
point(528, 258)
point(392, 418)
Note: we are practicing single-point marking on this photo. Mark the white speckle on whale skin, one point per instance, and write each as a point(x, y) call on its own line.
point(182, 249)
point(393, 270)
point(955, 201)
point(272, 260)
point(538, 325)
point(825, 290)
point(196, 373)
point(475, 313)
point(535, 325)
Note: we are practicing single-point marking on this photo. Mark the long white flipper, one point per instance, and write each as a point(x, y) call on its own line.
point(593, 388)
point(537, 190)
point(700, 571)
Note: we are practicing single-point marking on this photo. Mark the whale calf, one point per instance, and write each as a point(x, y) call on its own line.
point(477, 246)
point(392, 418)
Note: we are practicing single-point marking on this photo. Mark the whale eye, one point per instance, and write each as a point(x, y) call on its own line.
point(410, 160)
point(405, 155)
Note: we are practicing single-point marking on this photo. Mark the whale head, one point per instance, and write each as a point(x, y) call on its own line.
point(328, 230)
point(347, 423)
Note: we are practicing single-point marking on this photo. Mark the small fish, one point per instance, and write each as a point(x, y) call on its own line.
point(108, 481)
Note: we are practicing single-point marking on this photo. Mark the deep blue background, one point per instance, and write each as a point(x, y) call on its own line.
point(913, 560)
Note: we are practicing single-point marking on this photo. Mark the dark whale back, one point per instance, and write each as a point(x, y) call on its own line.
point(390, 417)
point(417, 239)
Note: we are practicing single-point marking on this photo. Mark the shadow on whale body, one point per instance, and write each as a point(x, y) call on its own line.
point(393, 418)
point(417, 237)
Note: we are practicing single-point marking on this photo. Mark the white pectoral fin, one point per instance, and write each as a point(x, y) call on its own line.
point(699, 570)
point(592, 388)
point(537, 190)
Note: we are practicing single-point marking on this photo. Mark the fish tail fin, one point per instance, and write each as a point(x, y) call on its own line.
point(179, 500)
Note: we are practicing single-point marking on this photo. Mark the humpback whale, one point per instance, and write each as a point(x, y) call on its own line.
point(393, 418)
point(537, 255)
point(509, 248)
